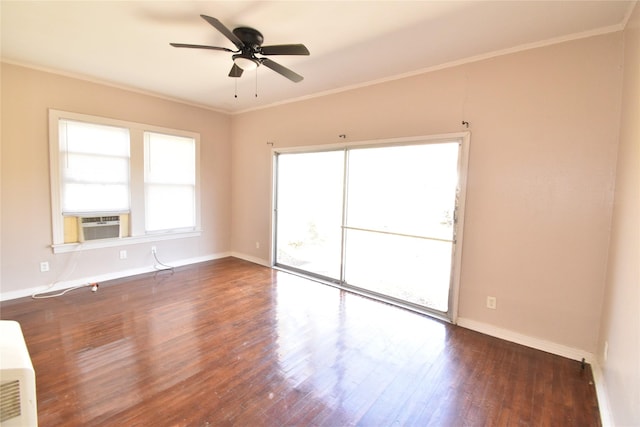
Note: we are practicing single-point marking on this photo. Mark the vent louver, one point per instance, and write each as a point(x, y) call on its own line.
point(9, 400)
point(17, 378)
point(99, 227)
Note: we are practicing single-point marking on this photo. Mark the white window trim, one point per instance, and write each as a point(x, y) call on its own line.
point(124, 241)
point(137, 212)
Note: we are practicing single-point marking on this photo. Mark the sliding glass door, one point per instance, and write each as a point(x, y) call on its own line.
point(379, 220)
point(399, 223)
point(309, 188)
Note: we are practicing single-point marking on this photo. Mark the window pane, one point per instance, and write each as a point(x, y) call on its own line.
point(408, 191)
point(309, 211)
point(404, 189)
point(411, 269)
point(95, 139)
point(170, 182)
point(170, 159)
point(86, 168)
point(94, 164)
point(169, 206)
point(86, 198)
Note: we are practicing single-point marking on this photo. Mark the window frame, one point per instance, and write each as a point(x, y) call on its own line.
point(138, 233)
point(463, 138)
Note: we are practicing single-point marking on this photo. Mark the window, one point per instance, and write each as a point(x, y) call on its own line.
point(170, 184)
point(142, 178)
point(94, 168)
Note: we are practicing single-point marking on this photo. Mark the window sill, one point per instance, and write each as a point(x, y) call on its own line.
point(122, 241)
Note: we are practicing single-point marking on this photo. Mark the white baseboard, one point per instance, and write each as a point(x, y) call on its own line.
point(250, 258)
point(60, 286)
point(606, 416)
point(537, 343)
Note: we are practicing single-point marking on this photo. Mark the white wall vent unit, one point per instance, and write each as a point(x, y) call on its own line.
point(99, 227)
point(17, 379)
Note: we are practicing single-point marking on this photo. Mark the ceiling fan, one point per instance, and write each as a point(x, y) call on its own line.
point(249, 43)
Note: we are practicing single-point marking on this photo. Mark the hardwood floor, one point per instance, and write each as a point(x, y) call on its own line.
point(229, 342)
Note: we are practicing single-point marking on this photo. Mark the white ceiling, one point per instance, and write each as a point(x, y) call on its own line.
point(352, 43)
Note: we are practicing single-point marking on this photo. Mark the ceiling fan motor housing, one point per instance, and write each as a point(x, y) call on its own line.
point(250, 37)
point(252, 40)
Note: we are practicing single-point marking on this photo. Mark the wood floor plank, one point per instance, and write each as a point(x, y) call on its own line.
point(229, 342)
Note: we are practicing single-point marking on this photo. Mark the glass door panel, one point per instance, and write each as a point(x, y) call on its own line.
point(400, 209)
point(309, 212)
point(404, 189)
point(409, 269)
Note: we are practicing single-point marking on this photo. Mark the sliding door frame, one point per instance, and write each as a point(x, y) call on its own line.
point(463, 138)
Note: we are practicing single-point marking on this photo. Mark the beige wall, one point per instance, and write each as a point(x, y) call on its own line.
point(544, 126)
point(621, 314)
point(27, 95)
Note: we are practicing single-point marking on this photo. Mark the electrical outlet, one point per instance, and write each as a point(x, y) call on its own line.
point(491, 303)
point(257, 245)
point(123, 254)
point(154, 249)
point(44, 266)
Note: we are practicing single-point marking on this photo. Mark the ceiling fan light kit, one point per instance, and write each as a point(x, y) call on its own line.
point(246, 64)
point(248, 42)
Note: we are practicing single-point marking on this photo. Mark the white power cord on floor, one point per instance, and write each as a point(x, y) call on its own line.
point(40, 295)
point(159, 265)
point(72, 263)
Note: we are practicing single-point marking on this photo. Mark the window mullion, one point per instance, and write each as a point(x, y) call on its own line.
point(137, 182)
point(343, 232)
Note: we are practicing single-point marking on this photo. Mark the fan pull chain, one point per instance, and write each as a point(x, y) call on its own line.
point(256, 82)
point(235, 93)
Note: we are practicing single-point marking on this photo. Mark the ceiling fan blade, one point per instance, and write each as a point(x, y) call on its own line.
point(285, 49)
point(235, 71)
point(280, 69)
point(224, 30)
point(199, 46)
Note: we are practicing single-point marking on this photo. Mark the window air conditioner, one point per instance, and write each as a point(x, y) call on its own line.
point(17, 379)
point(99, 227)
